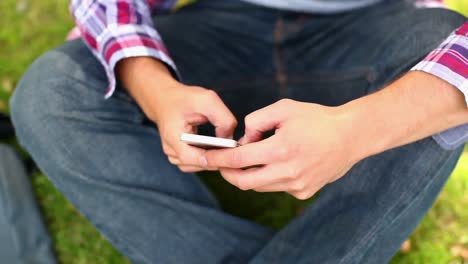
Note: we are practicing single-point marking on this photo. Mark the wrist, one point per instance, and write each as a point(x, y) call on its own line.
point(136, 72)
point(362, 130)
point(414, 107)
point(147, 80)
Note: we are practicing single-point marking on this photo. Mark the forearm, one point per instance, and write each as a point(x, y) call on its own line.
point(147, 80)
point(416, 106)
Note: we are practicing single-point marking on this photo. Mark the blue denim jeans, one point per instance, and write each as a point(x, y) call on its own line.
point(107, 159)
point(23, 236)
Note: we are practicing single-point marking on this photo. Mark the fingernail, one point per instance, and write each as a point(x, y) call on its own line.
point(203, 162)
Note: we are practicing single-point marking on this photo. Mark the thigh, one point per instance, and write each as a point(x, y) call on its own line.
point(111, 166)
point(365, 216)
point(219, 41)
point(335, 59)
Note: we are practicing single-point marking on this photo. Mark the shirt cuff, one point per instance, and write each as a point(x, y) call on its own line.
point(452, 138)
point(124, 41)
point(449, 62)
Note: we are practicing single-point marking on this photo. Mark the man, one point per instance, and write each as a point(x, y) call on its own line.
point(222, 61)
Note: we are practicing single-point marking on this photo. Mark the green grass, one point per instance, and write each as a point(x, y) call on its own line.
point(459, 5)
point(30, 27)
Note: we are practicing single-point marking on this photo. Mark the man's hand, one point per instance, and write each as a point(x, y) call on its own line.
point(175, 108)
point(312, 146)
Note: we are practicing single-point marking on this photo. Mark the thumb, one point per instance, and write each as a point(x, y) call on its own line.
point(263, 120)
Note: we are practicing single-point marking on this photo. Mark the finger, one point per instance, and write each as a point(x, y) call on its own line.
point(195, 168)
point(263, 120)
point(255, 177)
point(188, 169)
point(188, 156)
point(231, 175)
point(296, 185)
point(173, 160)
point(306, 193)
point(191, 156)
point(275, 187)
point(218, 114)
point(257, 153)
point(169, 151)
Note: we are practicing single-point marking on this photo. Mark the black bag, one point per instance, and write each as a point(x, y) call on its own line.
point(6, 128)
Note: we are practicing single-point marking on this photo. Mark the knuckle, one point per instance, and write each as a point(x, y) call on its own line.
point(298, 186)
point(249, 120)
point(166, 150)
point(284, 101)
point(184, 169)
point(230, 124)
point(210, 94)
point(302, 196)
point(283, 153)
point(287, 151)
point(233, 123)
point(228, 178)
point(294, 173)
point(243, 185)
point(184, 158)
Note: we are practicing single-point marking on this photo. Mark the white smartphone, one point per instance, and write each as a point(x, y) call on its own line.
point(208, 142)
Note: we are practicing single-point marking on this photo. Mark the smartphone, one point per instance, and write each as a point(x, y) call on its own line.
point(207, 142)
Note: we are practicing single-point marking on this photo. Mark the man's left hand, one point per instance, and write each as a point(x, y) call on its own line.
point(313, 145)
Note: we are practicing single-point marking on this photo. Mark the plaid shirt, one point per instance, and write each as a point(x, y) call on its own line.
point(119, 29)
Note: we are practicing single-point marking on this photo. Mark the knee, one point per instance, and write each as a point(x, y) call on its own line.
point(407, 37)
point(38, 94)
point(440, 20)
point(432, 26)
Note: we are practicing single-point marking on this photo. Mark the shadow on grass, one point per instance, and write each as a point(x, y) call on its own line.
point(270, 209)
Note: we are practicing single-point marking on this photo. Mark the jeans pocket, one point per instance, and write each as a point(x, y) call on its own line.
point(330, 88)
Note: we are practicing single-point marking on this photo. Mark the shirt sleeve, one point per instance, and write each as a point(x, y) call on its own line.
point(118, 29)
point(450, 62)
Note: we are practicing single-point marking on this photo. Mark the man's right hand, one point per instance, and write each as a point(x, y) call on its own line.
point(175, 108)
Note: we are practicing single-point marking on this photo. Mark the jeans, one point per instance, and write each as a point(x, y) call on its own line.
point(107, 159)
point(23, 236)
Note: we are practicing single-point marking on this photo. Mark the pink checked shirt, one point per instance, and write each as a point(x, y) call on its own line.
point(119, 29)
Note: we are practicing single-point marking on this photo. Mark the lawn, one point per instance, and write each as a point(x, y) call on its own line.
point(31, 27)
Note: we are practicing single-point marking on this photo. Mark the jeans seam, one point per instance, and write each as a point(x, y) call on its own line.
point(375, 228)
point(366, 73)
point(361, 72)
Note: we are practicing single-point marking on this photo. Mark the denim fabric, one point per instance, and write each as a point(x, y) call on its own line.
point(23, 236)
point(107, 159)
